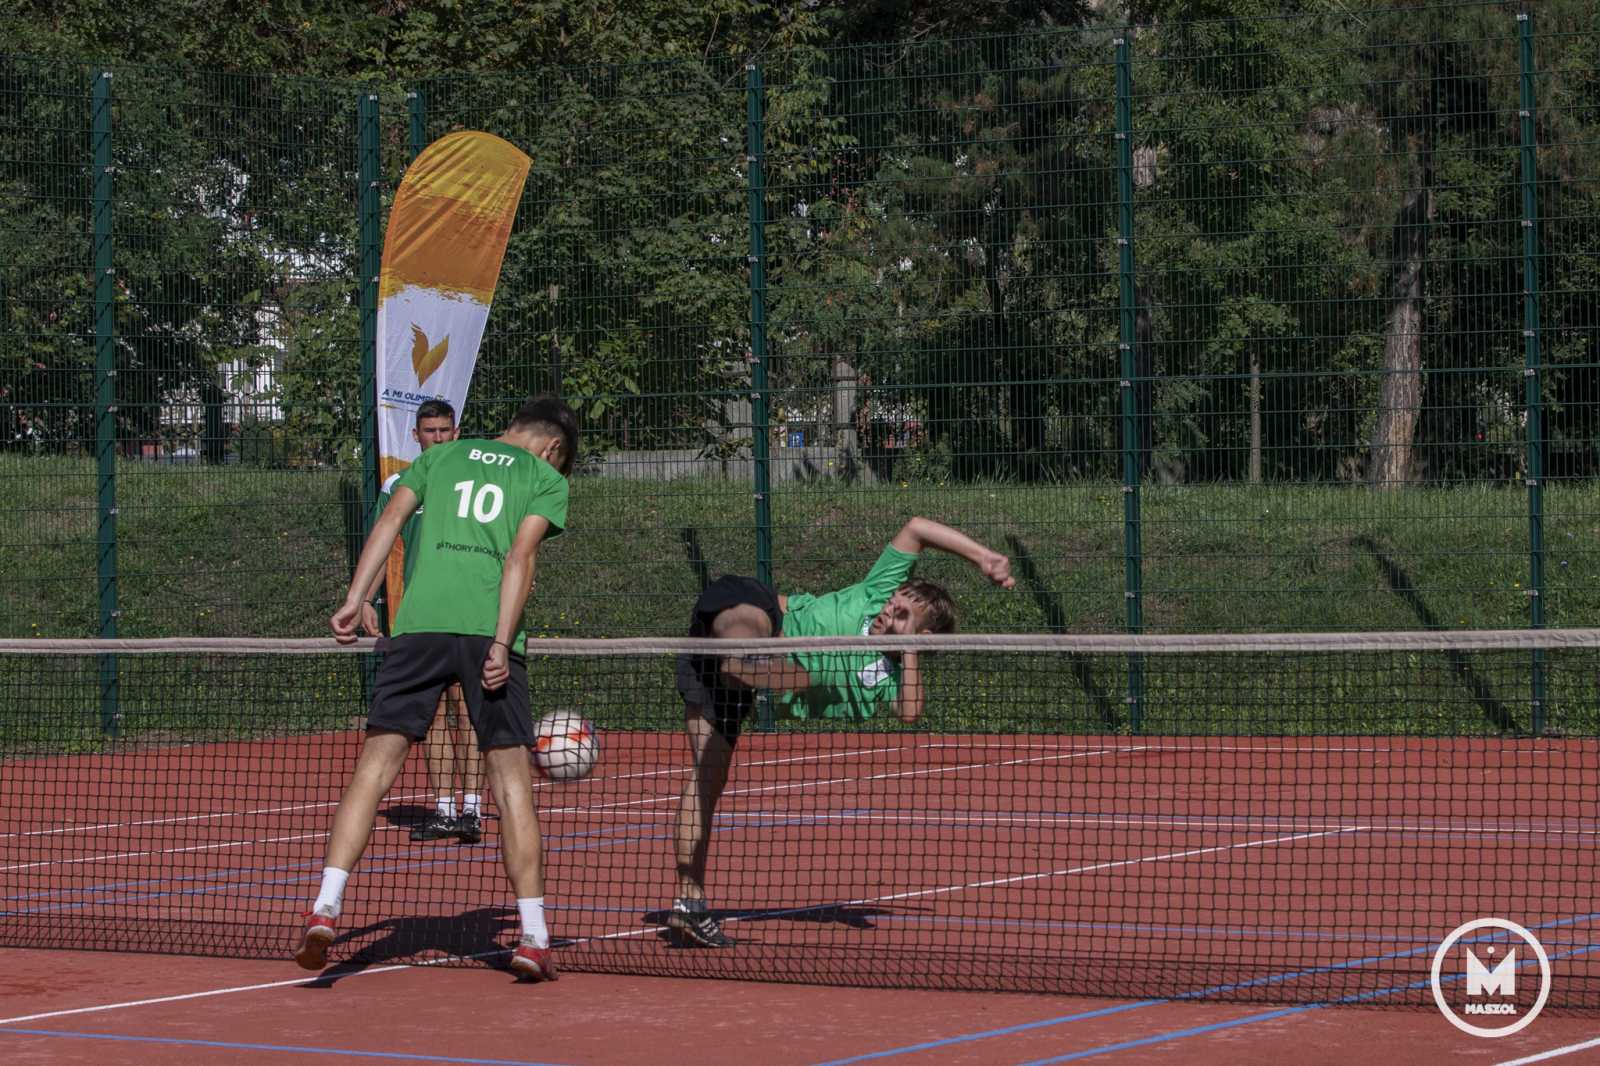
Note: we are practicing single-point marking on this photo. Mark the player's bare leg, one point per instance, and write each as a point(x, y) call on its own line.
point(522, 851)
point(439, 753)
point(691, 835)
point(469, 768)
point(748, 622)
point(382, 756)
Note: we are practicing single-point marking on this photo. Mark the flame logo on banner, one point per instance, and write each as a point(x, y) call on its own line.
point(426, 360)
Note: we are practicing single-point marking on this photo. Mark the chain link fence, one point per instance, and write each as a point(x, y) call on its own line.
point(1264, 324)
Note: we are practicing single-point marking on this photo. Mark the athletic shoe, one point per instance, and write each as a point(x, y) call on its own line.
point(436, 826)
point(532, 964)
point(469, 830)
point(312, 954)
point(696, 926)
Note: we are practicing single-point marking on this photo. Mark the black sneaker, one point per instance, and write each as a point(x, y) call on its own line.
point(469, 830)
point(696, 926)
point(435, 826)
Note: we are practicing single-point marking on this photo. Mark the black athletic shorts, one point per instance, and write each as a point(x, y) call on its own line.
point(418, 667)
point(700, 682)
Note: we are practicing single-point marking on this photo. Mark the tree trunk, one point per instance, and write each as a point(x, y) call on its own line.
point(1400, 395)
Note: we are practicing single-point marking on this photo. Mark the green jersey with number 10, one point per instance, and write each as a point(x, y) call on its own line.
point(475, 494)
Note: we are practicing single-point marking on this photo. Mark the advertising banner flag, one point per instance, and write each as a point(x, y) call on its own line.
point(446, 239)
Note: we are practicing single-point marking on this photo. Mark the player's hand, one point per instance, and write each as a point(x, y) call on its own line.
point(344, 620)
point(369, 618)
point(496, 668)
point(997, 568)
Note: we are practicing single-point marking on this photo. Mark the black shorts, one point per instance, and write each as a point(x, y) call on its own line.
point(418, 667)
point(700, 682)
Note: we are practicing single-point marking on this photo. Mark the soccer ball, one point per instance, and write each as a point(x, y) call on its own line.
point(565, 746)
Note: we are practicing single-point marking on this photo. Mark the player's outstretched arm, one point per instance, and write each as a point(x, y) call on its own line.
point(374, 557)
point(908, 705)
point(920, 533)
point(516, 581)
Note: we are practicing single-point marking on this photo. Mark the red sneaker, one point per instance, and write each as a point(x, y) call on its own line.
point(312, 954)
point(533, 964)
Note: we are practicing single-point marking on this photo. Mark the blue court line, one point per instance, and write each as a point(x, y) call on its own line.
point(1234, 1023)
point(1201, 993)
point(285, 1048)
point(1009, 1030)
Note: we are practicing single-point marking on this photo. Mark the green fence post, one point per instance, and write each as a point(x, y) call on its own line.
point(1533, 384)
point(755, 120)
point(371, 238)
point(1133, 552)
point(105, 375)
point(417, 129)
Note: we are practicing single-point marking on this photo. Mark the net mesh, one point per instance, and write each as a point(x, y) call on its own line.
point(1295, 818)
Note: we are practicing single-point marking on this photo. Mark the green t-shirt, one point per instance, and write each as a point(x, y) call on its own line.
point(408, 532)
point(474, 495)
point(846, 684)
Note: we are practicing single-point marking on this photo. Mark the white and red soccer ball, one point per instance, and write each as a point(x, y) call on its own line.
point(565, 746)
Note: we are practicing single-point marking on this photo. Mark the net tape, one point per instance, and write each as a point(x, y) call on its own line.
point(1089, 644)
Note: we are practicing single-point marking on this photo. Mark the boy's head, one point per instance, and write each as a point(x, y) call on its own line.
point(918, 606)
point(548, 420)
point(436, 423)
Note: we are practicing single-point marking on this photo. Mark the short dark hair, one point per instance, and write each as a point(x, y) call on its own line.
point(435, 409)
point(939, 610)
point(550, 416)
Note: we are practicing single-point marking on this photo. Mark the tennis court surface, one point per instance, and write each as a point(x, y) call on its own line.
point(1287, 877)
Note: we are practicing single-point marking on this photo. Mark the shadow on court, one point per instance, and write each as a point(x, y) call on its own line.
point(850, 917)
point(481, 935)
point(1401, 584)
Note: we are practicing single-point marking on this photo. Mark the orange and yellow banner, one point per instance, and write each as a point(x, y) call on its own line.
point(447, 237)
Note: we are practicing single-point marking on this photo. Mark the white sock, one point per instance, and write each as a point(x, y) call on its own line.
point(533, 929)
point(447, 806)
point(472, 803)
point(330, 897)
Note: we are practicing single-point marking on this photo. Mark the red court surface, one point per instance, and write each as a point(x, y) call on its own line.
point(63, 1007)
point(1296, 885)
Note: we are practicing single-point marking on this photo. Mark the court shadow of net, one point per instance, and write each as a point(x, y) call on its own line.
point(480, 935)
point(1401, 585)
point(1055, 620)
point(850, 917)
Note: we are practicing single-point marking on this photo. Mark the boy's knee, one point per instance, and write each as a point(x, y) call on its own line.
point(741, 623)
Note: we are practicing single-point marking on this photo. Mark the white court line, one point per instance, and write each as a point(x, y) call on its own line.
point(827, 781)
point(108, 857)
point(1092, 867)
point(241, 988)
point(1122, 820)
point(1555, 1052)
point(947, 889)
point(856, 753)
point(176, 819)
point(164, 851)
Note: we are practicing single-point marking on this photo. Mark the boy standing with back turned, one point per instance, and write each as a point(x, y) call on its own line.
point(490, 504)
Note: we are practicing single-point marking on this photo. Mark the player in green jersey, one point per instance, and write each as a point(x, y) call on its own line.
point(448, 744)
point(487, 506)
point(719, 693)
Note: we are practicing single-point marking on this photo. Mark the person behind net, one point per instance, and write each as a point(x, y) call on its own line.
point(490, 504)
point(448, 744)
point(718, 693)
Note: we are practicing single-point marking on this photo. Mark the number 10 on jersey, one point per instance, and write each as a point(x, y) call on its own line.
point(484, 504)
